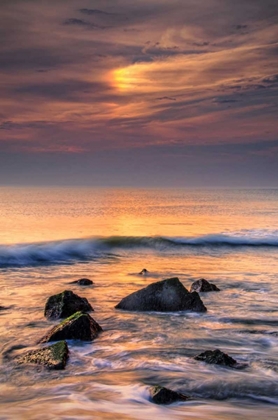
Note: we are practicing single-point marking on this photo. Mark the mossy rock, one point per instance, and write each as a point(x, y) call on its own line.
point(52, 357)
point(65, 304)
point(161, 395)
point(79, 326)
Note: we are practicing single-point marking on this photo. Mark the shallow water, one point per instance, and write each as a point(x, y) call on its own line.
point(110, 377)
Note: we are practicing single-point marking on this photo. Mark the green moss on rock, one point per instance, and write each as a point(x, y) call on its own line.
point(79, 326)
point(65, 304)
point(52, 357)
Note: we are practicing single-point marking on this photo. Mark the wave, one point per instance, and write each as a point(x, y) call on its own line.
point(71, 251)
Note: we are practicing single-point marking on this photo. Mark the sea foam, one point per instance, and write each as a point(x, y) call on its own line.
point(74, 250)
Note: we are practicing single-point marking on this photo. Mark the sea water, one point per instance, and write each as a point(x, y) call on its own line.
point(50, 237)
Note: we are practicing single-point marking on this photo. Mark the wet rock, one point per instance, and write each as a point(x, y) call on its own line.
point(52, 357)
point(83, 282)
point(65, 304)
point(216, 357)
point(80, 326)
point(161, 395)
point(203, 285)
point(164, 296)
point(143, 272)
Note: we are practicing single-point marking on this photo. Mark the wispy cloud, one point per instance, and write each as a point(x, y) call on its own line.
point(122, 74)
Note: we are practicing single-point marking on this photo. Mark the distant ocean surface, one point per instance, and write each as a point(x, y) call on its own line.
point(50, 237)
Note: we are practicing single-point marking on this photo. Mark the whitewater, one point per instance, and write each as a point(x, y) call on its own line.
point(229, 237)
point(74, 250)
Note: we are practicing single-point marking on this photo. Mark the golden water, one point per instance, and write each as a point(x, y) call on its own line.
point(51, 237)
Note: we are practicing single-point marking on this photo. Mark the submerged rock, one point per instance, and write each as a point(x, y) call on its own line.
point(216, 357)
point(65, 304)
point(203, 285)
point(163, 296)
point(143, 272)
point(161, 395)
point(80, 326)
point(83, 282)
point(52, 357)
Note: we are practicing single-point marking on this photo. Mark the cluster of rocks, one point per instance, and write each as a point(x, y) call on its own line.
point(169, 296)
point(76, 325)
point(164, 296)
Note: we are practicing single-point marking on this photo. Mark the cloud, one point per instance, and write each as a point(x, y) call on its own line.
point(74, 21)
point(83, 23)
point(27, 58)
point(224, 101)
point(96, 12)
point(63, 90)
point(161, 72)
point(273, 80)
point(166, 98)
point(239, 27)
point(143, 59)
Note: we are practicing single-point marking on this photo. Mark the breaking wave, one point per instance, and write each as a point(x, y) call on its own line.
point(71, 251)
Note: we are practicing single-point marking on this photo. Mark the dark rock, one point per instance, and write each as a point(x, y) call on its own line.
point(65, 304)
point(3, 308)
point(83, 282)
point(52, 357)
point(143, 272)
point(216, 357)
point(203, 285)
point(161, 395)
point(164, 296)
point(79, 326)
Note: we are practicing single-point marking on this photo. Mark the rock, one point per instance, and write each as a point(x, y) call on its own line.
point(52, 357)
point(3, 308)
point(143, 272)
point(65, 304)
point(216, 357)
point(83, 282)
point(161, 395)
point(164, 296)
point(203, 285)
point(79, 326)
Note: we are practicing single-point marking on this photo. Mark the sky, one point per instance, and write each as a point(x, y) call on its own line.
point(156, 93)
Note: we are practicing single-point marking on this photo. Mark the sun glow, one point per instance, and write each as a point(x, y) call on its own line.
point(124, 78)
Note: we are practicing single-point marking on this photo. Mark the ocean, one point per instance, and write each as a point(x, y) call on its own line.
point(50, 237)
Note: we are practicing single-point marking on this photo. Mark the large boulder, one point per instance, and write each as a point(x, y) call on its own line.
point(161, 395)
point(52, 357)
point(65, 304)
point(216, 357)
point(79, 326)
point(203, 285)
point(163, 296)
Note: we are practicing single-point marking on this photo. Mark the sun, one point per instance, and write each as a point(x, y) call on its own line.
point(126, 78)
